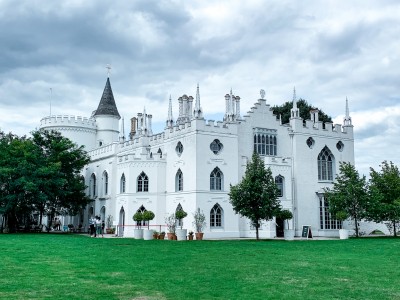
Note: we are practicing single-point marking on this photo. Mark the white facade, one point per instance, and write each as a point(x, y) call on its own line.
point(292, 151)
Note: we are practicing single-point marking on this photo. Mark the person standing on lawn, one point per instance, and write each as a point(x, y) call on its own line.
point(91, 226)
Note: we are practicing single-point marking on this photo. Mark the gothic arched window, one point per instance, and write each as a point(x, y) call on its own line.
point(123, 183)
point(279, 183)
point(216, 215)
point(216, 179)
point(179, 181)
point(325, 164)
point(141, 209)
point(143, 183)
point(92, 184)
point(105, 183)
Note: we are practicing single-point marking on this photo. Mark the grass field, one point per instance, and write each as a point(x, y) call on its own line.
point(67, 266)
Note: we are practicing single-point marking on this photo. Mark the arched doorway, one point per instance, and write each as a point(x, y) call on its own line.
point(103, 213)
point(121, 223)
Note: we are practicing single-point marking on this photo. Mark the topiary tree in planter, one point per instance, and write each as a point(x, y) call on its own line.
point(148, 215)
point(138, 218)
point(181, 233)
point(179, 215)
point(287, 215)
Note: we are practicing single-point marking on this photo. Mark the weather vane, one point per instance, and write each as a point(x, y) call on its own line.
point(109, 70)
point(262, 93)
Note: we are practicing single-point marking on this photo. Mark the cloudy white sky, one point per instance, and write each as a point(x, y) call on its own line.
point(328, 50)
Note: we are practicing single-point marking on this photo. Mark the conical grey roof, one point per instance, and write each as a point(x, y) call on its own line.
point(107, 104)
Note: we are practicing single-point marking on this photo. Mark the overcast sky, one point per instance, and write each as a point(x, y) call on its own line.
point(328, 50)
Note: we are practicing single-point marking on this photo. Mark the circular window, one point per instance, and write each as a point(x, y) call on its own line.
point(340, 146)
point(216, 146)
point(310, 142)
point(179, 148)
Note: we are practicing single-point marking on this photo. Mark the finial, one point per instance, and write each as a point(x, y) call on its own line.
point(347, 108)
point(109, 70)
point(262, 93)
point(294, 95)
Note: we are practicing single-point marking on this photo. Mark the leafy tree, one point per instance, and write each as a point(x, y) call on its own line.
point(66, 191)
point(179, 215)
point(138, 218)
point(40, 174)
point(304, 109)
point(385, 195)
point(256, 196)
point(148, 215)
point(349, 196)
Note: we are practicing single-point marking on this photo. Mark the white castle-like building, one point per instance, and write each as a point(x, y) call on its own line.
point(192, 163)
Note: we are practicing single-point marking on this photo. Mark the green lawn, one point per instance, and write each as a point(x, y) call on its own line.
point(67, 266)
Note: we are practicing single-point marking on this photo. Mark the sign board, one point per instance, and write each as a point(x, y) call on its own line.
point(306, 232)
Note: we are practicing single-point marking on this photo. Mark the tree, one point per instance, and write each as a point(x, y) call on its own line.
point(304, 109)
point(256, 196)
point(385, 195)
point(40, 174)
point(349, 196)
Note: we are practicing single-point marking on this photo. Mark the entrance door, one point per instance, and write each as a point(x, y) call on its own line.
point(280, 227)
point(121, 223)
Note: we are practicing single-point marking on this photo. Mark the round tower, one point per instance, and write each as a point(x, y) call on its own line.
point(107, 118)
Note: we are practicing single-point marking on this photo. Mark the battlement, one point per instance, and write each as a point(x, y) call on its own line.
point(103, 151)
point(68, 120)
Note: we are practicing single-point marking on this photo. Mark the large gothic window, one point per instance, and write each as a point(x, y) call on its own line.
point(325, 165)
point(216, 180)
point(92, 184)
point(123, 183)
point(326, 219)
point(265, 142)
point(216, 215)
point(179, 181)
point(143, 183)
point(279, 184)
point(105, 183)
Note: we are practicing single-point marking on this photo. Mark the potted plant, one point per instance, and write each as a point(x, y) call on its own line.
point(155, 235)
point(199, 223)
point(343, 233)
point(190, 235)
point(161, 236)
point(138, 232)
point(181, 233)
point(147, 216)
point(287, 215)
point(109, 228)
point(171, 225)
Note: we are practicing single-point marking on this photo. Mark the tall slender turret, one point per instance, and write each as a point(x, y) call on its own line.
point(198, 112)
point(122, 131)
point(107, 117)
point(347, 118)
point(294, 111)
point(170, 119)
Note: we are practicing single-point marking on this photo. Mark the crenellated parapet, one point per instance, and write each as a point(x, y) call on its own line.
point(63, 120)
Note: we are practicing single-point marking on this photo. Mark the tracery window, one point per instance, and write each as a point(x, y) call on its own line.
point(325, 164)
point(216, 146)
point(216, 215)
point(159, 152)
point(179, 181)
point(340, 146)
point(143, 183)
point(123, 183)
point(179, 148)
point(279, 183)
point(310, 142)
point(216, 179)
point(265, 142)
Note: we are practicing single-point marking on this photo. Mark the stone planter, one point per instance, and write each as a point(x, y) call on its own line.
point(148, 234)
point(138, 233)
point(289, 234)
point(181, 234)
point(343, 234)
